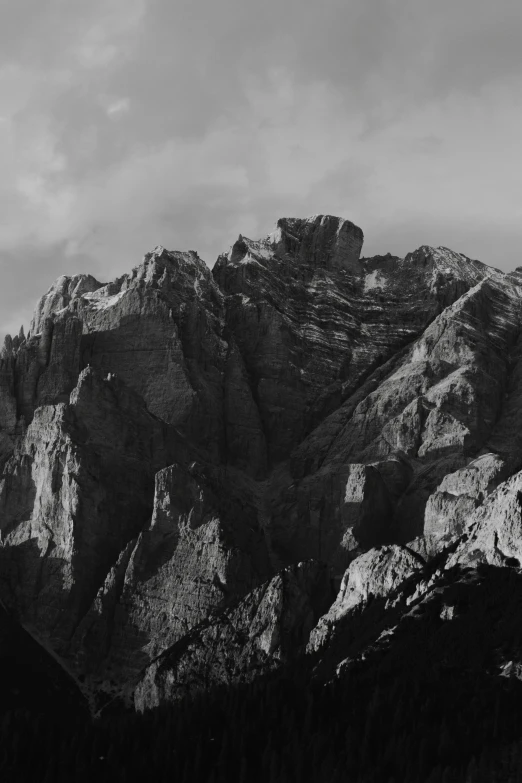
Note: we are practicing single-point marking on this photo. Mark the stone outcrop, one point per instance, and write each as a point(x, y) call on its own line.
point(78, 488)
point(493, 533)
point(374, 574)
point(192, 560)
point(40, 370)
point(269, 626)
point(8, 410)
point(245, 439)
point(453, 503)
point(322, 241)
point(59, 297)
point(332, 514)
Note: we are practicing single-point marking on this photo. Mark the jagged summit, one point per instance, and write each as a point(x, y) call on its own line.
point(445, 259)
point(160, 255)
point(61, 293)
point(320, 241)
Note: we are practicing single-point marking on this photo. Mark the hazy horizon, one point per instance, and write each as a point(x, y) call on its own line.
point(126, 124)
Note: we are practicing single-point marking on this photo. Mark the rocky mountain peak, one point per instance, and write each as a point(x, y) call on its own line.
point(318, 242)
point(189, 261)
point(450, 263)
point(62, 292)
point(323, 241)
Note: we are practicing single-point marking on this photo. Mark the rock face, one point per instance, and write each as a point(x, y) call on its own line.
point(322, 241)
point(309, 333)
point(267, 628)
point(493, 533)
point(333, 514)
point(193, 559)
point(375, 574)
point(77, 489)
point(192, 459)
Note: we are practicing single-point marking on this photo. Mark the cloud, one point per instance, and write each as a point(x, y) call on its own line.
point(119, 106)
point(128, 123)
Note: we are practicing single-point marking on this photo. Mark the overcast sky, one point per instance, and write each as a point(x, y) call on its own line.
point(125, 124)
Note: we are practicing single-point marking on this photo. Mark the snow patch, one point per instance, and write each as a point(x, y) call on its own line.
point(99, 301)
point(374, 280)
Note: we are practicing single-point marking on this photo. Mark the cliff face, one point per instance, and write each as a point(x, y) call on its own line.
point(193, 459)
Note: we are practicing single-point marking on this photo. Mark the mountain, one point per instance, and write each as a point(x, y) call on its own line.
point(303, 459)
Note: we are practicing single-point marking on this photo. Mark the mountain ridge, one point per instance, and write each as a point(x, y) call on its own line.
point(174, 441)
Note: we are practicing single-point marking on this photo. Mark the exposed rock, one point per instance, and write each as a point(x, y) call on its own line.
point(461, 627)
point(38, 371)
point(58, 298)
point(191, 561)
point(245, 439)
point(269, 625)
point(8, 417)
point(494, 530)
point(159, 329)
point(321, 240)
point(375, 574)
point(451, 506)
point(78, 488)
point(331, 515)
point(62, 364)
point(447, 612)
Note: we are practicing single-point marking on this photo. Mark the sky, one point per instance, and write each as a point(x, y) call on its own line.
point(126, 124)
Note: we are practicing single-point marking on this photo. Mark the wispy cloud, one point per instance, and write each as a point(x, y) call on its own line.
point(119, 106)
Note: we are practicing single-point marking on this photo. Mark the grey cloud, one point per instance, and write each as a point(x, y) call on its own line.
point(106, 188)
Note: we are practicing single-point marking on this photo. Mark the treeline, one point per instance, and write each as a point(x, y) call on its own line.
point(458, 730)
point(431, 706)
